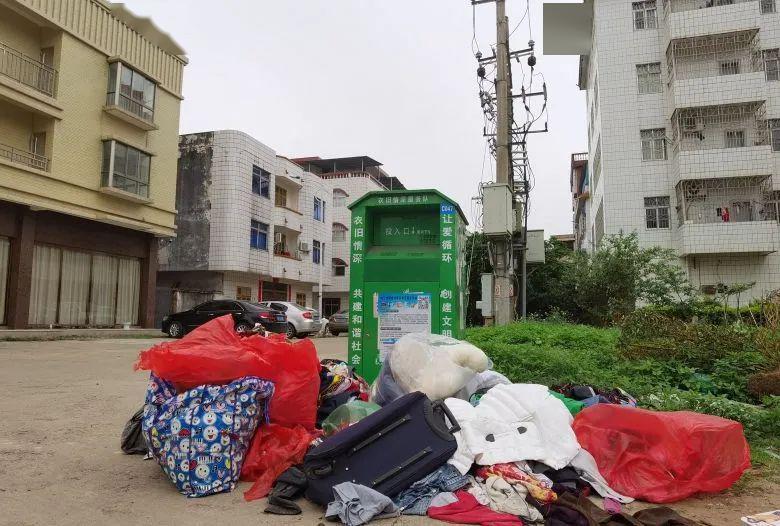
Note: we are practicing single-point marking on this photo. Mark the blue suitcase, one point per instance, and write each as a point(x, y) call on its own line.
point(387, 451)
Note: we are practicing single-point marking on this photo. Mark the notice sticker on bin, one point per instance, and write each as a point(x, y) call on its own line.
point(399, 314)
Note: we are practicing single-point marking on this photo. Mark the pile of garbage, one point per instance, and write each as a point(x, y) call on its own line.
point(438, 433)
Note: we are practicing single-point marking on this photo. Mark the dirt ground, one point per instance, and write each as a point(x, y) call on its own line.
point(63, 409)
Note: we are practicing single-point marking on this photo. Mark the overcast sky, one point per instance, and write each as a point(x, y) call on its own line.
point(391, 79)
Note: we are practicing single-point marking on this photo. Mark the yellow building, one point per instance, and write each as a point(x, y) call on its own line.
point(89, 125)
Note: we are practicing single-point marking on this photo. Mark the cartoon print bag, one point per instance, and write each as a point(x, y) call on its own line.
point(200, 436)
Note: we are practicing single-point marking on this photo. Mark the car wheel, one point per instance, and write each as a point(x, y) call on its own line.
point(334, 332)
point(243, 327)
point(175, 330)
point(291, 332)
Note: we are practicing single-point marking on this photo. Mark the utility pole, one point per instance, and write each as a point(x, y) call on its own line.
point(505, 202)
point(503, 280)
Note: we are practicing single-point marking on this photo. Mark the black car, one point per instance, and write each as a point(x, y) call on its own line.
point(339, 322)
point(245, 313)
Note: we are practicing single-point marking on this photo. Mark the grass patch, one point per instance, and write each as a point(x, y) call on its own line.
point(554, 353)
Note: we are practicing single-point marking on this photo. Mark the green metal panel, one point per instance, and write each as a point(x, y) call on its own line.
point(406, 271)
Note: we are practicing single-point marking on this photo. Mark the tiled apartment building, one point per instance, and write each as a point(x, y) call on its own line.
point(89, 119)
point(683, 105)
point(257, 226)
point(349, 179)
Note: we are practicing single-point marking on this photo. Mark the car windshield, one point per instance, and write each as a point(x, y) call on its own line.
point(299, 307)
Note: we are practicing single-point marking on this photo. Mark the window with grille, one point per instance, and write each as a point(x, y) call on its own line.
point(316, 256)
point(339, 198)
point(261, 181)
point(653, 144)
point(772, 64)
point(244, 293)
point(649, 77)
point(280, 196)
point(258, 235)
point(768, 6)
point(645, 15)
point(774, 130)
point(300, 298)
point(657, 212)
point(735, 138)
point(729, 67)
point(339, 232)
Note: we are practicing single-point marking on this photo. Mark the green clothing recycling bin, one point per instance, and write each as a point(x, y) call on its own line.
point(406, 272)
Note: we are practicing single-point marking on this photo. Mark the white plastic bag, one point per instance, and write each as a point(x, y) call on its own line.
point(439, 366)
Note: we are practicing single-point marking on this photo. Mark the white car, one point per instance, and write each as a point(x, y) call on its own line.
point(301, 321)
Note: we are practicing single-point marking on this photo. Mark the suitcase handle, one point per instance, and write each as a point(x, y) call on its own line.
point(438, 404)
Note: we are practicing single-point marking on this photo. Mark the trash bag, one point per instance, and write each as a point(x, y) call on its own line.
point(346, 415)
point(214, 354)
point(274, 449)
point(436, 365)
point(662, 456)
point(133, 441)
point(200, 436)
point(385, 389)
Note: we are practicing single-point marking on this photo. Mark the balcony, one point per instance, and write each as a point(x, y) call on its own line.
point(749, 237)
point(693, 18)
point(732, 215)
point(721, 141)
point(29, 159)
point(723, 69)
point(28, 71)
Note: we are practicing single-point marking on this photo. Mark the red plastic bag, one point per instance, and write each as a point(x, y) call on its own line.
point(274, 449)
point(214, 354)
point(663, 457)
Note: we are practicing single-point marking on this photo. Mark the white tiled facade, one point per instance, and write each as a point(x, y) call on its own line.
point(354, 185)
point(715, 102)
point(219, 206)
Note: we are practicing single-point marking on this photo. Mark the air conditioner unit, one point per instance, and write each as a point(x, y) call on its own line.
point(303, 246)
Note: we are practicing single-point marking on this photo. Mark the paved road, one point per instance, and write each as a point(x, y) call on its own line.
point(63, 406)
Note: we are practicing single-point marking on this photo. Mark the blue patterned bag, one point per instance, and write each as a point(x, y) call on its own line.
point(200, 436)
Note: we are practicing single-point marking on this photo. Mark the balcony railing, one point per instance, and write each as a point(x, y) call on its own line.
point(30, 159)
point(578, 157)
point(725, 200)
point(282, 251)
point(130, 105)
point(27, 70)
point(678, 6)
point(718, 127)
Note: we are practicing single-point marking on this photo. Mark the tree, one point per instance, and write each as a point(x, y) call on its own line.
point(550, 285)
point(477, 263)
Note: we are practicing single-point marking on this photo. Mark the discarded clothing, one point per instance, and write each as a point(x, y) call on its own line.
point(586, 392)
point(588, 514)
point(289, 486)
point(468, 511)
point(481, 382)
point(511, 423)
point(574, 406)
point(355, 505)
point(200, 437)
point(586, 467)
point(514, 475)
point(133, 441)
point(338, 385)
point(417, 498)
point(443, 499)
point(507, 498)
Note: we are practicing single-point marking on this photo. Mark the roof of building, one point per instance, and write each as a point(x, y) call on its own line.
point(339, 164)
point(147, 28)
